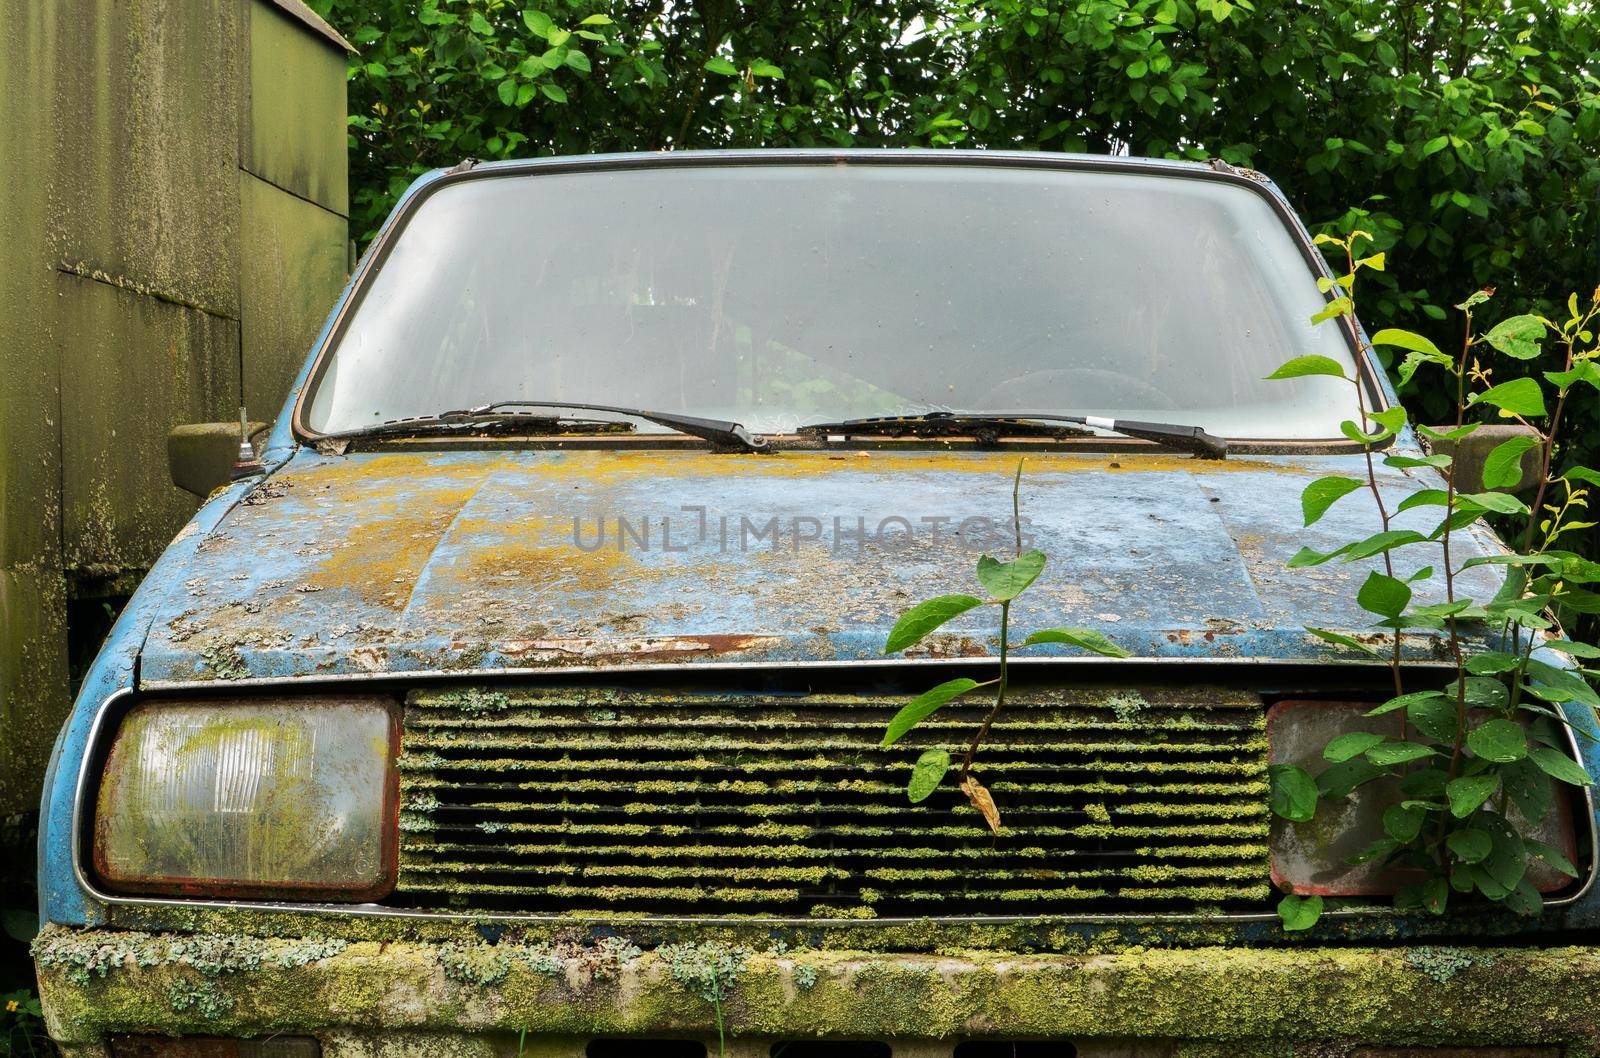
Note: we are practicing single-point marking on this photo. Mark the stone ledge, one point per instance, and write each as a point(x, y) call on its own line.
point(97, 982)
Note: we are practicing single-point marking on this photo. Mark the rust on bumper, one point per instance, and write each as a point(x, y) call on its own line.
point(473, 997)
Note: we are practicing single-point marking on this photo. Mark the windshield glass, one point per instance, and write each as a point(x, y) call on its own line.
point(777, 295)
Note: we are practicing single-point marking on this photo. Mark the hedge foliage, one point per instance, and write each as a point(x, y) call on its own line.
point(1464, 135)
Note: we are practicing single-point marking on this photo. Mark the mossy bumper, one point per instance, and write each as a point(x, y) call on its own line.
point(96, 983)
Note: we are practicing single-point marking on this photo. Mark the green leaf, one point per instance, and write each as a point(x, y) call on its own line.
point(1499, 502)
point(1435, 895)
point(1383, 595)
point(1507, 862)
point(1531, 790)
point(596, 20)
point(1301, 366)
point(1518, 336)
point(1381, 849)
point(722, 66)
point(1577, 650)
point(1299, 912)
point(1411, 340)
point(1006, 580)
point(1560, 685)
point(1407, 462)
point(1453, 434)
point(1335, 308)
point(1340, 639)
point(577, 60)
point(1310, 557)
point(554, 92)
point(1434, 715)
point(765, 69)
point(1323, 493)
point(1525, 899)
point(1559, 766)
point(1502, 468)
point(1351, 744)
point(537, 22)
point(1551, 855)
point(922, 706)
point(1585, 371)
point(1498, 740)
point(1492, 663)
point(924, 617)
point(1520, 396)
point(1403, 823)
point(1294, 792)
point(1469, 792)
point(1392, 419)
point(1360, 436)
point(927, 774)
point(1087, 638)
point(1378, 543)
point(1392, 753)
point(1339, 780)
point(1470, 845)
point(1476, 298)
point(1404, 701)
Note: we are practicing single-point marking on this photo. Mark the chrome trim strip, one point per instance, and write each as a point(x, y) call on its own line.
point(96, 735)
point(751, 666)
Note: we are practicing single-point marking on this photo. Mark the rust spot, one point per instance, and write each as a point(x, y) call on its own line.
point(645, 648)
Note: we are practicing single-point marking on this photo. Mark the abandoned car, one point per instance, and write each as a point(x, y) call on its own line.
point(524, 691)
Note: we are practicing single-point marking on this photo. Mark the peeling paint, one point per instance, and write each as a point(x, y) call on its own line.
point(467, 560)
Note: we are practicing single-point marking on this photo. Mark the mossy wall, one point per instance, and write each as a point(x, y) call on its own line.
point(174, 225)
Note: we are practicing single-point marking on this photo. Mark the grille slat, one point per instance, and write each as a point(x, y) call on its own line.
point(565, 800)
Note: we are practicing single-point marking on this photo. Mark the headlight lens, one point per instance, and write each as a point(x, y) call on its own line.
point(251, 799)
point(1316, 857)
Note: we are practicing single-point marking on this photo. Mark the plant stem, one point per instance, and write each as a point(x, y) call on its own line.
point(1372, 476)
point(999, 695)
point(1546, 456)
point(1450, 580)
point(1005, 634)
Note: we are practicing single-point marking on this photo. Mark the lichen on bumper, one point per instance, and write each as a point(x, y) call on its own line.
point(99, 982)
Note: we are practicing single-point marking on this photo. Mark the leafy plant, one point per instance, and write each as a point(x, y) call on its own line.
point(22, 1025)
point(1477, 759)
point(1002, 583)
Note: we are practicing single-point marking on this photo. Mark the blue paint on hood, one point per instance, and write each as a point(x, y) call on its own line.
point(404, 560)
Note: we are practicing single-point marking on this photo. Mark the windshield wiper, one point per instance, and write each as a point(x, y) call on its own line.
point(721, 434)
point(943, 423)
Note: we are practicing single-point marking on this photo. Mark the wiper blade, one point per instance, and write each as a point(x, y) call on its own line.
point(1184, 438)
point(720, 433)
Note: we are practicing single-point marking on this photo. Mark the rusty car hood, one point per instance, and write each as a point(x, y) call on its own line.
point(406, 561)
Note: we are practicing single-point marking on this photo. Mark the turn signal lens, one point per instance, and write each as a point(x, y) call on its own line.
point(1321, 856)
point(251, 799)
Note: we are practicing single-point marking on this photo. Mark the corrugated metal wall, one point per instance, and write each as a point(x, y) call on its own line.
point(173, 229)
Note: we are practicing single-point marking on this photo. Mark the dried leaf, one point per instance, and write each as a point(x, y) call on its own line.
point(979, 796)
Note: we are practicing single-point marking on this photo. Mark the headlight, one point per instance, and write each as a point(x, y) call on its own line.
point(1316, 857)
point(251, 799)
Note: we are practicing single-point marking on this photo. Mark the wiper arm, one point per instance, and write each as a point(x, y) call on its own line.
point(720, 433)
point(1184, 438)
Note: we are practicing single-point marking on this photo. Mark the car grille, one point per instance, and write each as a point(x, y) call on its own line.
point(570, 800)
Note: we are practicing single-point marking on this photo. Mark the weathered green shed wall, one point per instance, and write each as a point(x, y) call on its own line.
point(173, 215)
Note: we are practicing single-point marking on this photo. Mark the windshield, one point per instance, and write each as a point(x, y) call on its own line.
point(776, 295)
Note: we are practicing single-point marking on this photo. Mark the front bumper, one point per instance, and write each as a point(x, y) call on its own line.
point(471, 997)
